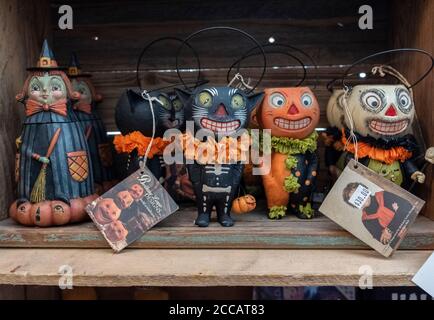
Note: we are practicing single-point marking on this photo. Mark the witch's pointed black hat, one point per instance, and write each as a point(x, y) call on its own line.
point(46, 60)
point(74, 69)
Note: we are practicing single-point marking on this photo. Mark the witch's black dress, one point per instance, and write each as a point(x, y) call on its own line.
point(69, 174)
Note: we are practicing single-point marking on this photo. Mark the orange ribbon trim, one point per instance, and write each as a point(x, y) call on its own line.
point(227, 150)
point(83, 107)
point(33, 107)
point(366, 150)
point(136, 140)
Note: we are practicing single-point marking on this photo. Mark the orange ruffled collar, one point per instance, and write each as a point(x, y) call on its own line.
point(387, 156)
point(136, 140)
point(227, 150)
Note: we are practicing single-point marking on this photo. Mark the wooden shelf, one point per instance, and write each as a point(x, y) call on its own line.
point(255, 252)
point(252, 230)
point(203, 267)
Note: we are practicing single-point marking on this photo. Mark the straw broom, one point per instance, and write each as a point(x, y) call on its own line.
point(38, 191)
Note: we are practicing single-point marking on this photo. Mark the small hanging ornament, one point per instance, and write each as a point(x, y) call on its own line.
point(381, 118)
point(292, 114)
point(222, 112)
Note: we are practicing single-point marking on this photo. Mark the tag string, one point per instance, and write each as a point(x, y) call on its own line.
point(146, 96)
point(239, 77)
point(352, 138)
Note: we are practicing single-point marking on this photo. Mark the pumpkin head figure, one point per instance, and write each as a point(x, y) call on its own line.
point(382, 116)
point(289, 112)
point(292, 115)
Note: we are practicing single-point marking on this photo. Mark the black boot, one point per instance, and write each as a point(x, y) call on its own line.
point(225, 220)
point(202, 220)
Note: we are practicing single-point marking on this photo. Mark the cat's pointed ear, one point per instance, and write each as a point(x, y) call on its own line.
point(254, 100)
point(183, 95)
point(134, 99)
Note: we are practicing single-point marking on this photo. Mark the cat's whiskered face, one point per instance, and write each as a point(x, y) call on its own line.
point(171, 112)
point(223, 110)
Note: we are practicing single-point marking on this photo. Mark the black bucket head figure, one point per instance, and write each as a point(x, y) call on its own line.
point(93, 126)
point(138, 122)
point(224, 111)
point(54, 172)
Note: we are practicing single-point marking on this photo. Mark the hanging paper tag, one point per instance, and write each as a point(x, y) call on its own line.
point(424, 277)
point(372, 208)
point(125, 212)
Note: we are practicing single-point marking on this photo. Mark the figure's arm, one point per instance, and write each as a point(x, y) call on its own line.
point(37, 157)
point(412, 171)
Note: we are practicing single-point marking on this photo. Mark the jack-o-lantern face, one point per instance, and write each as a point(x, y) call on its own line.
point(335, 109)
point(380, 110)
point(116, 231)
point(107, 211)
point(289, 112)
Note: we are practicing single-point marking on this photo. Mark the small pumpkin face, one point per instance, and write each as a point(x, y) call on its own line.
point(41, 214)
point(47, 89)
point(335, 109)
point(61, 212)
point(289, 112)
point(107, 211)
point(23, 214)
point(116, 231)
point(244, 204)
point(380, 110)
point(136, 191)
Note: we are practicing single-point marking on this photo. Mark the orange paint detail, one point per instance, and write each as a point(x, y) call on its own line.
point(366, 150)
point(136, 140)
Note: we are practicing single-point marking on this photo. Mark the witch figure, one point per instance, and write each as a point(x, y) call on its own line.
point(54, 169)
point(96, 134)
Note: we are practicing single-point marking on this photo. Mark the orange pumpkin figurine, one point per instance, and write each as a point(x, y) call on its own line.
point(244, 204)
point(292, 115)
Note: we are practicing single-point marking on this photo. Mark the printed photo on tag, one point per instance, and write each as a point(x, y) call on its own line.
point(125, 212)
point(372, 208)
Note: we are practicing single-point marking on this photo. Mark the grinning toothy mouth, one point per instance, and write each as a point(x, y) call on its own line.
point(220, 126)
point(388, 128)
point(292, 124)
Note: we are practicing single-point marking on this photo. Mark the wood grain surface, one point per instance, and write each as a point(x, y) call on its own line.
point(207, 267)
point(252, 230)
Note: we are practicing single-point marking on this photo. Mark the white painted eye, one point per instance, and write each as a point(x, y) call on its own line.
point(306, 100)
point(372, 99)
point(404, 100)
point(277, 100)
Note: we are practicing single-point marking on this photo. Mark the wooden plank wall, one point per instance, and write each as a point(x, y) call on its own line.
point(23, 25)
point(417, 17)
point(327, 30)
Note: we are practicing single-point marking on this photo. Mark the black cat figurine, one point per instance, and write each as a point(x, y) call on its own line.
point(224, 111)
